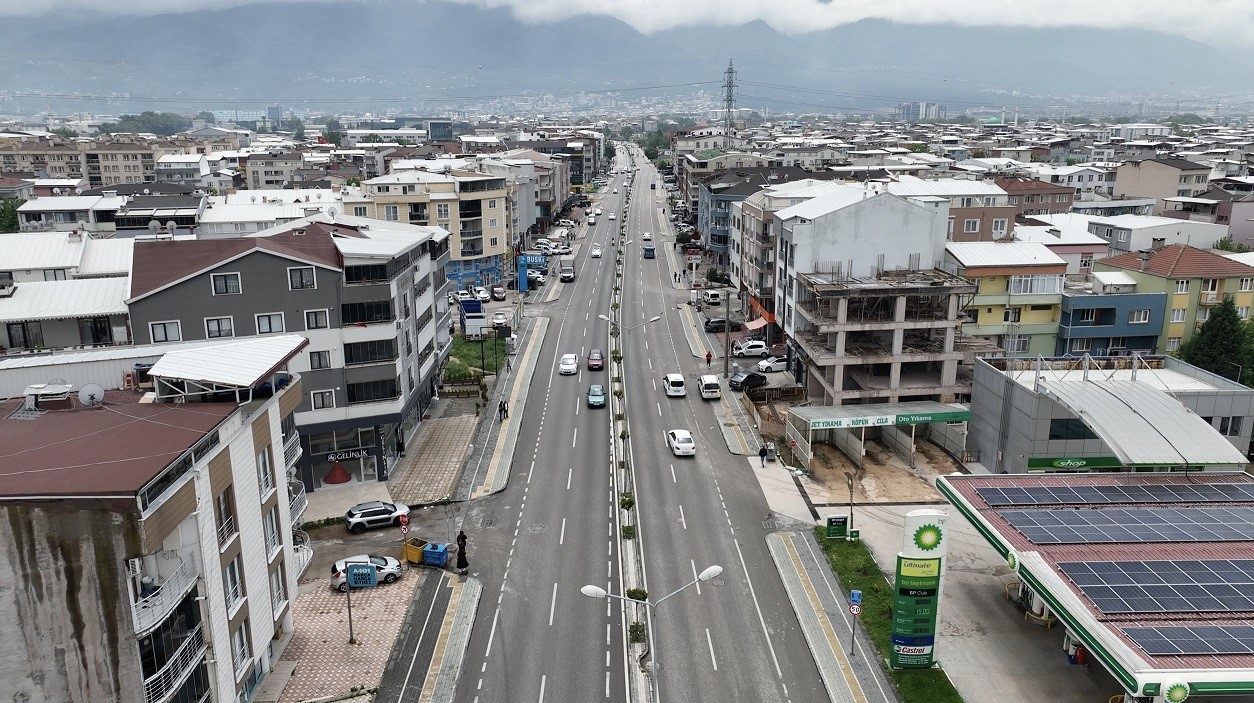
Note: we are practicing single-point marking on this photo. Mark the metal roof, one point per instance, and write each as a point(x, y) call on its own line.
point(1003, 253)
point(104, 257)
point(73, 203)
point(821, 205)
point(1143, 425)
point(1113, 278)
point(947, 187)
point(56, 300)
point(43, 250)
point(240, 363)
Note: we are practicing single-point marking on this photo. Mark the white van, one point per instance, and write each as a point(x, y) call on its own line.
point(674, 384)
point(713, 297)
point(592, 221)
point(710, 387)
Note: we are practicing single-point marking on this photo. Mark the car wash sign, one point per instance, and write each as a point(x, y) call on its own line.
point(916, 599)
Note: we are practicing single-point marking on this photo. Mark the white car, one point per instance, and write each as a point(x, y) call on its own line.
point(772, 363)
point(568, 365)
point(464, 295)
point(612, 218)
point(500, 319)
point(615, 191)
point(482, 294)
point(597, 212)
point(386, 569)
point(646, 237)
point(751, 348)
point(596, 252)
point(680, 442)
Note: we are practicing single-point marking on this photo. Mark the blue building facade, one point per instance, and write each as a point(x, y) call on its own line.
point(1110, 324)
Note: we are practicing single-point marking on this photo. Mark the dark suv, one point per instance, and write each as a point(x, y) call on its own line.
point(722, 324)
point(746, 380)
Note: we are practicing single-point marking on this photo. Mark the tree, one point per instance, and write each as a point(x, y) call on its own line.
point(1219, 345)
point(206, 116)
point(918, 148)
point(1229, 244)
point(610, 151)
point(162, 123)
point(627, 133)
point(372, 138)
point(8, 214)
point(650, 152)
point(64, 132)
point(332, 136)
point(298, 128)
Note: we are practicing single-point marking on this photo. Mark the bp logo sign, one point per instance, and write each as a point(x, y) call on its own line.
point(1012, 561)
point(927, 537)
point(1176, 693)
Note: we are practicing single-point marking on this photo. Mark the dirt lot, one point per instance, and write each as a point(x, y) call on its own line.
point(884, 477)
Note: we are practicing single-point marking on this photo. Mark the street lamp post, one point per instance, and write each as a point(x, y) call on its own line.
point(591, 591)
point(849, 482)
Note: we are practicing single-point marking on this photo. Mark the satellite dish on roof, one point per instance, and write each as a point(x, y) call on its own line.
point(331, 212)
point(91, 395)
point(170, 226)
point(147, 192)
point(78, 191)
point(154, 226)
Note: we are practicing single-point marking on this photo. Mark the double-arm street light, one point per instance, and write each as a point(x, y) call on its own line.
point(653, 319)
point(591, 591)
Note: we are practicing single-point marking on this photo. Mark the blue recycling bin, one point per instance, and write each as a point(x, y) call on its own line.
point(435, 555)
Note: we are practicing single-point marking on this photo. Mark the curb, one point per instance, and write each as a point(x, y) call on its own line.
point(445, 688)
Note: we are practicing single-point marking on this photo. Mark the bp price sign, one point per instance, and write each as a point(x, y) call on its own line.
point(914, 612)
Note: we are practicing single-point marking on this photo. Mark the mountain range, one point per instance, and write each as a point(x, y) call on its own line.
point(376, 54)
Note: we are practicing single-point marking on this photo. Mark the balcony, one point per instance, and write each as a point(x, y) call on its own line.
point(1209, 298)
point(227, 531)
point(153, 608)
point(234, 594)
point(467, 253)
point(299, 500)
point(472, 233)
point(243, 662)
point(159, 687)
point(291, 450)
point(302, 551)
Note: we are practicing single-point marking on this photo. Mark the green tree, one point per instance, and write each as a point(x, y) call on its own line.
point(162, 123)
point(650, 152)
point(206, 116)
point(918, 148)
point(8, 213)
point(610, 151)
point(627, 133)
point(1228, 244)
point(64, 132)
point(1218, 346)
point(297, 125)
point(372, 138)
point(333, 136)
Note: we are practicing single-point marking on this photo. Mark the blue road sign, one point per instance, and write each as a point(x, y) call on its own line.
point(362, 576)
point(855, 597)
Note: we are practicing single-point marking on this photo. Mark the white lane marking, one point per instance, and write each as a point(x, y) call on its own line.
point(533, 468)
point(753, 594)
point(673, 474)
point(694, 575)
point(650, 364)
point(609, 628)
point(646, 342)
point(552, 606)
point(577, 404)
point(492, 632)
point(561, 539)
point(607, 679)
point(659, 410)
point(682, 521)
point(575, 440)
point(655, 384)
point(569, 473)
point(543, 681)
point(710, 641)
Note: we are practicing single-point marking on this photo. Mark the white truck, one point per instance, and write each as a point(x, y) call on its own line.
point(566, 269)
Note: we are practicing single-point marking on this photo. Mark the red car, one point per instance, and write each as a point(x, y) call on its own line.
point(596, 360)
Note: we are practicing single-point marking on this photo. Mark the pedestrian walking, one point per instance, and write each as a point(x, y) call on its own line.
point(500, 411)
point(762, 455)
point(461, 541)
point(505, 407)
point(709, 357)
point(509, 364)
point(463, 562)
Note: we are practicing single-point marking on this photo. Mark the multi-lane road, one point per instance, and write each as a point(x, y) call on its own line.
point(553, 530)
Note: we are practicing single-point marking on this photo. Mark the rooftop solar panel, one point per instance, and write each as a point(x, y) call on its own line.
point(1212, 585)
point(1133, 525)
point(1154, 493)
point(1199, 639)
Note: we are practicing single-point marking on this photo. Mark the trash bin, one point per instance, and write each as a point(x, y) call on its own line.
point(435, 555)
point(771, 452)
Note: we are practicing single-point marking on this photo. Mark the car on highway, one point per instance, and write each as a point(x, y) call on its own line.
point(386, 570)
point(596, 360)
point(596, 396)
point(597, 212)
point(646, 237)
point(680, 442)
point(771, 364)
point(561, 248)
point(674, 385)
point(500, 319)
point(746, 380)
point(568, 365)
point(612, 217)
point(722, 324)
point(615, 191)
point(751, 347)
point(372, 514)
point(596, 252)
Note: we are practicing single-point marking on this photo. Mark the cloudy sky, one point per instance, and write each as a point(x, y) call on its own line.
point(1218, 22)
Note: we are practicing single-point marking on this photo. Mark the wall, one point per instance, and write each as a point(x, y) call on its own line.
point(69, 632)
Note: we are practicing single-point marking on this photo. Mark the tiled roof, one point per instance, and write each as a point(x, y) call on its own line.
point(1181, 261)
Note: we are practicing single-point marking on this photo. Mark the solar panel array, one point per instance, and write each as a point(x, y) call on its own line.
point(1133, 525)
point(1213, 585)
point(1068, 495)
point(1202, 639)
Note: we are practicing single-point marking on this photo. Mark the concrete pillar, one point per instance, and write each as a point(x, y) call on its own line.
point(842, 310)
point(899, 312)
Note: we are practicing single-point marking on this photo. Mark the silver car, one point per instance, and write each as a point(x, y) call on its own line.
point(386, 570)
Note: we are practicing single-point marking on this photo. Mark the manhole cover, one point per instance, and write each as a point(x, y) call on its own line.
point(487, 522)
point(717, 582)
point(537, 528)
point(768, 525)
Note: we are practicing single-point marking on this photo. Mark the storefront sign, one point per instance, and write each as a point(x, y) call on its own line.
point(333, 457)
point(843, 422)
point(1073, 463)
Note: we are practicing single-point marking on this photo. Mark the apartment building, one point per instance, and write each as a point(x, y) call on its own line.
point(1033, 197)
point(273, 171)
point(110, 163)
point(868, 318)
point(1125, 233)
point(368, 295)
point(1086, 181)
point(189, 169)
point(1103, 314)
point(153, 546)
point(468, 204)
point(1161, 178)
point(1074, 244)
point(1018, 296)
point(1233, 209)
point(1194, 280)
point(83, 213)
point(720, 190)
point(693, 168)
point(979, 211)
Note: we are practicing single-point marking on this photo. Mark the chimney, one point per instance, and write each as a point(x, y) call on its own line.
point(1158, 243)
point(1145, 259)
point(335, 188)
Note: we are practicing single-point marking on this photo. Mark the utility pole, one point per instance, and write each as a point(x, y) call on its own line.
point(729, 102)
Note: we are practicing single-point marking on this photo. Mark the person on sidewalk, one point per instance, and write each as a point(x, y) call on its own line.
point(762, 455)
point(509, 364)
point(500, 411)
point(709, 357)
point(505, 408)
point(463, 563)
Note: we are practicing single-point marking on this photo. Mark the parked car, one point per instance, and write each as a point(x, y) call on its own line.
point(746, 380)
point(500, 319)
point(372, 514)
point(561, 249)
point(597, 211)
point(772, 364)
point(681, 443)
point(481, 294)
point(722, 324)
point(751, 347)
point(596, 360)
point(498, 292)
point(568, 365)
point(386, 569)
point(596, 396)
point(596, 252)
point(464, 295)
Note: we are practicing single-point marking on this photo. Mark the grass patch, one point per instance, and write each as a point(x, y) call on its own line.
point(858, 571)
point(465, 354)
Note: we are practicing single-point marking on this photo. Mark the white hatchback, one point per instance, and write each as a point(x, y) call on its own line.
point(596, 252)
point(681, 443)
point(568, 365)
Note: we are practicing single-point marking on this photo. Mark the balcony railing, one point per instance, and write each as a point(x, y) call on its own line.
point(471, 233)
point(243, 661)
point(472, 252)
point(291, 450)
point(150, 610)
point(273, 544)
point(302, 549)
point(234, 595)
point(226, 531)
point(1209, 298)
point(159, 687)
point(299, 502)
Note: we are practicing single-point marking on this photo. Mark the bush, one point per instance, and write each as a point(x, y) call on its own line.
point(629, 531)
point(626, 502)
point(637, 633)
point(638, 594)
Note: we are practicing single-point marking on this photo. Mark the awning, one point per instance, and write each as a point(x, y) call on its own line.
point(756, 324)
point(240, 363)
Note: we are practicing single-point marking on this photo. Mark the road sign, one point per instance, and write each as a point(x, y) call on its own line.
point(837, 525)
point(404, 520)
point(855, 609)
point(404, 529)
point(855, 597)
point(361, 576)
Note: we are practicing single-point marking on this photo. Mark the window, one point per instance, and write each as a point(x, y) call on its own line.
point(219, 327)
point(1182, 286)
point(359, 211)
point(999, 226)
point(966, 202)
point(492, 222)
point(492, 205)
point(270, 529)
point(240, 653)
point(492, 241)
point(54, 274)
point(226, 284)
point(1203, 314)
point(441, 211)
point(369, 352)
point(1118, 342)
point(265, 472)
point(1173, 343)
point(233, 583)
point(322, 399)
point(320, 360)
point(988, 202)
point(165, 331)
point(1070, 428)
point(1014, 200)
point(372, 391)
point(1038, 284)
point(1011, 314)
point(1123, 235)
point(1247, 284)
point(1086, 261)
point(1243, 312)
point(1061, 198)
point(270, 323)
point(390, 213)
point(301, 278)
point(970, 226)
point(278, 590)
point(1177, 314)
point(1138, 317)
point(1230, 426)
point(315, 319)
point(1088, 315)
point(1081, 345)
